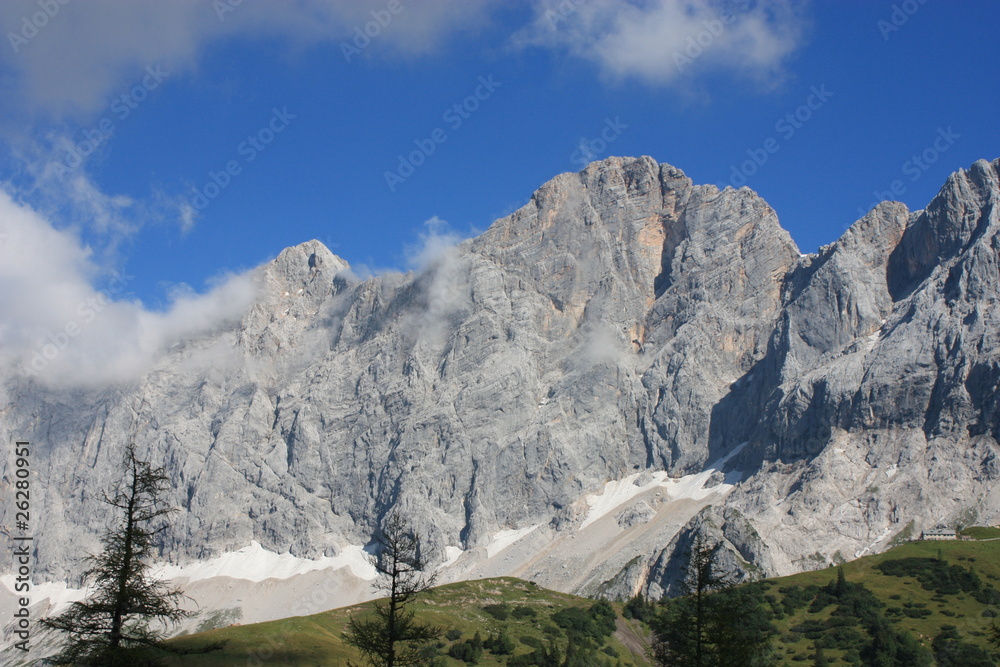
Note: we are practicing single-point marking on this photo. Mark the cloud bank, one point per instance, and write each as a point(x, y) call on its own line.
point(68, 59)
point(67, 323)
point(663, 42)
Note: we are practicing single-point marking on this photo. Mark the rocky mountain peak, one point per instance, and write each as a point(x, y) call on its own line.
point(966, 209)
point(625, 326)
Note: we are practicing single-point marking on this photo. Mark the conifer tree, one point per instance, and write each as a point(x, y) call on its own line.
point(392, 637)
point(112, 625)
point(713, 623)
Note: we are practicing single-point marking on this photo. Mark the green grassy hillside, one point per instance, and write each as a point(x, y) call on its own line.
point(930, 594)
point(917, 588)
point(522, 610)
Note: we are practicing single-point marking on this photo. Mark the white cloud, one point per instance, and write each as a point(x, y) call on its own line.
point(664, 41)
point(87, 50)
point(57, 326)
point(436, 238)
point(443, 277)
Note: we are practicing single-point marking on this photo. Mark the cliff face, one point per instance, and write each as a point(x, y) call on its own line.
point(623, 321)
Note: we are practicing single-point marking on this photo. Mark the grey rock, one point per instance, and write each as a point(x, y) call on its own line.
point(640, 512)
point(623, 320)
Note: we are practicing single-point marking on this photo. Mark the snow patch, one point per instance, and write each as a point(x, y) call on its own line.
point(505, 538)
point(618, 492)
point(451, 554)
point(252, 563)
point(58, 594)
point(862, 552)
point(255, 563)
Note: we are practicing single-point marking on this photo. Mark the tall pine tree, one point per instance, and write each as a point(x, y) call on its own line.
point(392, 637)
point(113, 625)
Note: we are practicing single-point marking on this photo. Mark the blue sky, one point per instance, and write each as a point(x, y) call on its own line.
point(822, 107)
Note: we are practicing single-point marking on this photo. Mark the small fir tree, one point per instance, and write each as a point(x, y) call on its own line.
point(113, 625)
point(392, 637)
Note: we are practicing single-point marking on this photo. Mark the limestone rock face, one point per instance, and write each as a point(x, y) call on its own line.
point(624, 320)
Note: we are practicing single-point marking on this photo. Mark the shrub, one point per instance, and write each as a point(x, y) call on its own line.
point(501, 611)
point(469, 651)
point(499, 644)
point(523, 611)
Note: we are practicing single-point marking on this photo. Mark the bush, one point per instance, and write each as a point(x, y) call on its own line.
point(523, 611)
point(936, 575)
point(594, 623)
point(453, 634)
point(499, 644)
point(639, 608)
point(501, 612)
point(951, 651)
point(469, 651)
point(551, 630)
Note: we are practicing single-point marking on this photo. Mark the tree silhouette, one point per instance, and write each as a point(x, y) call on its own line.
point(392, 637)
point(111, 626)
point(713, 623)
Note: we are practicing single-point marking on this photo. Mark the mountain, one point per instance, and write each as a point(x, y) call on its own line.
point(919, 588)
point(623, 363)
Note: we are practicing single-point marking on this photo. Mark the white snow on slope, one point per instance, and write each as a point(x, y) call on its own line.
point(862, 552)
point(505, 538)
point(255, 563)
point(58, 594)
point(616, 493)
point(451, 554)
